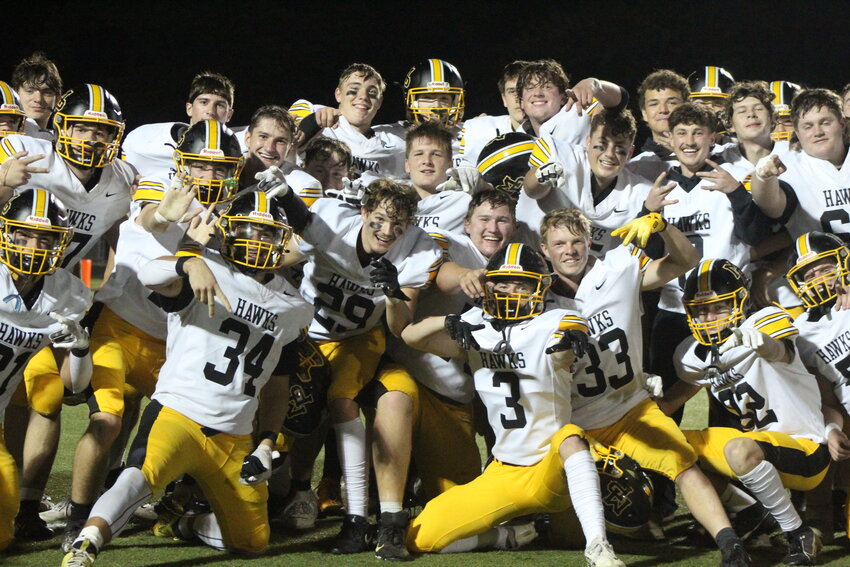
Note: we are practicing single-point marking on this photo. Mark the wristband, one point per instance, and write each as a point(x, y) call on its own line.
point(178, 266)
point(270, 435)
point(80, 352)
point(830, 428)
point(159, 218)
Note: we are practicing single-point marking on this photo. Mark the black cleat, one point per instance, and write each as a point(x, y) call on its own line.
point(803, 547)
point(735, 556)
point(353, 537)
point(391, 530)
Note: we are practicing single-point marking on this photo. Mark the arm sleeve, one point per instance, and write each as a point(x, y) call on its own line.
point(177, 303)
point(297, 214)
point(751, 225)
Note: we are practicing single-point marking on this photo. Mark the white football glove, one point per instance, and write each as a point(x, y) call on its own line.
point(71, 335)
point(272, 182)
point(653, 384)
point(257, 467)
point(551, 174)
point(352, 192)
point(748, 337)
point(465, 178)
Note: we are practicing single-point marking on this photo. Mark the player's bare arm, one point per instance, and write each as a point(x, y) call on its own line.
point(765, 186)
point(583, 93)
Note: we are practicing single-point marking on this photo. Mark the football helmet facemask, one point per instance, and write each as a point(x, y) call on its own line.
point(35, 232)
point(516, 263)
point(91, 105)
point(434, 77)
point(818, 248)
point(503, 162)
point(713, 282)
point(253, 233)
point(210, 142)
point(11, 107)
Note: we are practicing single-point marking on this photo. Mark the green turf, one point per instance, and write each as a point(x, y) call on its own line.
point(137, 548)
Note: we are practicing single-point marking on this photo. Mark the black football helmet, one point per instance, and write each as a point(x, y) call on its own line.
point(90, 104)
point(710, 82)
point(626, 490)
point(210, 141)
point(432, 77)
point(253, 233)
point(516, 262)
point(712, 282)
point(308, 391)
point(783, 93)
point(10, 106)
point(34, 215)
point(812, 249)
point(503, 162)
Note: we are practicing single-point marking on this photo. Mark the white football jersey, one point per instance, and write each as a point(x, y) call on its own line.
point(706, 218)
point(345, 302)
point(622, 203)
point(302, 183)
point(566, 126)
point(526, 395)
point(823, 192)
point(217, 381)
point(766, 396)
point(24, 331)
point(443, 212)
point(125, 295)
point(740, 167)
point(824, 345)
point(150, 148)
point(608, 380)
point(33, 130)
point(90, 213)
point(381, 153)
point(447, 377)
point(478, 131)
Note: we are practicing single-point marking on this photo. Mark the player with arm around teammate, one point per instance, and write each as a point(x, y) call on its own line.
point(521, 358)
point(750, 365)
point(243, 322)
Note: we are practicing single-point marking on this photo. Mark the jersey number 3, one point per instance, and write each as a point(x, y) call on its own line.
point(512, 400)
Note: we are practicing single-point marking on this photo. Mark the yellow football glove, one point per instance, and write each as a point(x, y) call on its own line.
point(640, 229)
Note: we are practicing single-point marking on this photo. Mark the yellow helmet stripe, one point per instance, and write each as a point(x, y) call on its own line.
point(776, 87)
point(39, 205)
point(7, 93)
point(512, 150)
point(512, 253)
point(212, 134)
point(704, 281)
point(711, 76)
point(261, 202)
point(803, 245)
point(437, 70)
point(96, 97)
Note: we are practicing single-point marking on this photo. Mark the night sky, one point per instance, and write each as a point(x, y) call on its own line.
point(279, 52)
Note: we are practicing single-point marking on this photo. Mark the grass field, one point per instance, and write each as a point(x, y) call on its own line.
point(137, 548)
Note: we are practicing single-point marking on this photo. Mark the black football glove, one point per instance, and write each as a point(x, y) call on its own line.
point(573, 340)
point(461, 331)
point(384, 276)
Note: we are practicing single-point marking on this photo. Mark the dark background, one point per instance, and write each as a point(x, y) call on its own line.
point(147, 53)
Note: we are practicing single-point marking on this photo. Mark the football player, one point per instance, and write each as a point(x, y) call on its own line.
point(442, 203)
point(12, 116)
point(480, 130)
point(361, 264)
point(710, 87)
point(520, 357)
point(608, 396)
point(128, 331)
point(39, 85)
point(749, 364)
point(658, 95)
point(784, 92)
point(201, 417)
point(817, 172)
point(378, 151)
point(150, 147)
point(554, 109)
point(329, 161)
point(593, 178)
point(95, 187)
point(44, 307)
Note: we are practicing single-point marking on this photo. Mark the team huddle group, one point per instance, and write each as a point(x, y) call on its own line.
point(386, 292)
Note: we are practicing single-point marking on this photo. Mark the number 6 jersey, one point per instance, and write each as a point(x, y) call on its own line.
point(764, 395)
point(216, 366)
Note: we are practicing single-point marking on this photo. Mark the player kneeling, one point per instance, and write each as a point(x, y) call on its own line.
point(521, 360)
point(751, 366)
point(200, 418)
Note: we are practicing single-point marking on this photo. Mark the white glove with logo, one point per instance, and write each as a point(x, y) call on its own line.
point(748, 337)
point(465, 178)
point(272, 182)
point(653, 384)
point(257, 467)
point(71, 335)
point(551, 174)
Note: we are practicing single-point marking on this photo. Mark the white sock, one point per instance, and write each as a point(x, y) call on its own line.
point(206, 528)
point(583, 482)
point(765, 483)
point(462, 545)
point(117, 504)
point(734, 499)
point(351, 443)
point(390, 506)
point(92, 533)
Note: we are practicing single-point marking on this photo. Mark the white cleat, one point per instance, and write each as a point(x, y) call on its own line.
point(599, 553)
point(517, 535)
